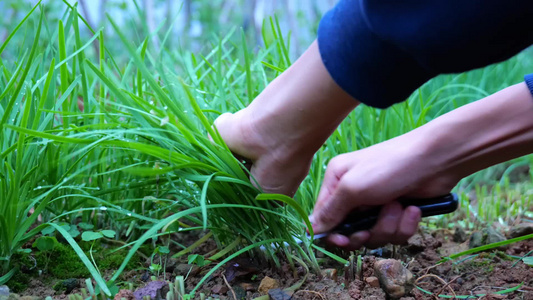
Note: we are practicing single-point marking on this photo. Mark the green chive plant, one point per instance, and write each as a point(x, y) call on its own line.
point(124, 141)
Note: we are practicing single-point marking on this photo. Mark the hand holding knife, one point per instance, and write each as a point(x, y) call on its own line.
point(365, 220)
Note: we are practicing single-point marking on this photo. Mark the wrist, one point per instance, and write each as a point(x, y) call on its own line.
point(300, 109)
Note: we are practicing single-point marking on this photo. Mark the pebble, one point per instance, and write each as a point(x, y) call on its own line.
point(394, 278)
point(67, 285)
point(154, 289)
point(416, 243)
point(268, 284)
point(248, 286)
point(372, 281)
point(171, 264)
point(459, 236)
point(4, 290)
point(521, 230)
point(485, 237)
point(219, 289)
point(124, 294)
point(279, 294)
point(12, 296)
point(184, 269)
point(330, 274)
point(419, 242)
point(30, 298)
point(240, 293)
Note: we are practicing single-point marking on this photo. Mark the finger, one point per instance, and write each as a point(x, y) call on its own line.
point(408, 224)
point(354, 242)
point(387, 225)
point(329, 184)
point(222, 119)
point(330, 208)
point(358, 240)
point(338, 240)
point(332, 212)
point(220, 124)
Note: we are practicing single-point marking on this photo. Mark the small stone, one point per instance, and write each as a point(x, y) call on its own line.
point(240, 293)
point(171, 264)
point(124, 294)
point(394, 278)
point(30, 298)
point(4, 290)
point(416, 243)
point(248, 286)
point(476, 239)
point(372, 281)
point(268, 284)
point(330, 274)
point(154, 289)
point(186, 269)
point(145, 276)
point(279, 294)
point(67, 285)
point(459, 236)
point(219, 289)
point(420, 242)
point(521, 230)
point(11, 296)
point(485, 237)
point(240, 267)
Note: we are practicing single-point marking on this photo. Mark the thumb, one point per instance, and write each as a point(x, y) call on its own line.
point(331, 206)
point(222, 125)
point(333, 210)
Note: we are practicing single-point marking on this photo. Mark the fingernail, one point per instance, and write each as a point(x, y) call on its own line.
point(414, 214)
point(361, 236)
point(340, 240)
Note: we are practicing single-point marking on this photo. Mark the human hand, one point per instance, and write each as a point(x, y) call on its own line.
point(287, 123)
point(275, 168)
point(426, 162)
point(378, 175)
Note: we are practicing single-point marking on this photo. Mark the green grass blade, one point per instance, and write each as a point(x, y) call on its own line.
point(288, 200)
point(63, 69)
point(475, 296)
point(5, 278)
point(27, 68)
point(44, 94)
point(247, 69)
point(203, 199)
point(90, 267)
point(241, 251)
point(10, 36)
point(489, 246)
point(81, 62)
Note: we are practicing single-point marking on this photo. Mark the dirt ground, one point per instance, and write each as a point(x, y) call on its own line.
point(486, 273)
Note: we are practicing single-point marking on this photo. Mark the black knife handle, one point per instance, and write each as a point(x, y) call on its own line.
point(364, 220)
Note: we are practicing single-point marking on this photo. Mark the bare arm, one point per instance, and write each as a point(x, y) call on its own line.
point(425, 162)
point(287, 123)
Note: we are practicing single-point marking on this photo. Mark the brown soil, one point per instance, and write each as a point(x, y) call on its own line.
point(486, 273)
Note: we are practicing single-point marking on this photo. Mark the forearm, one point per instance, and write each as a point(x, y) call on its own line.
point(481, 134)
point(303, 104)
